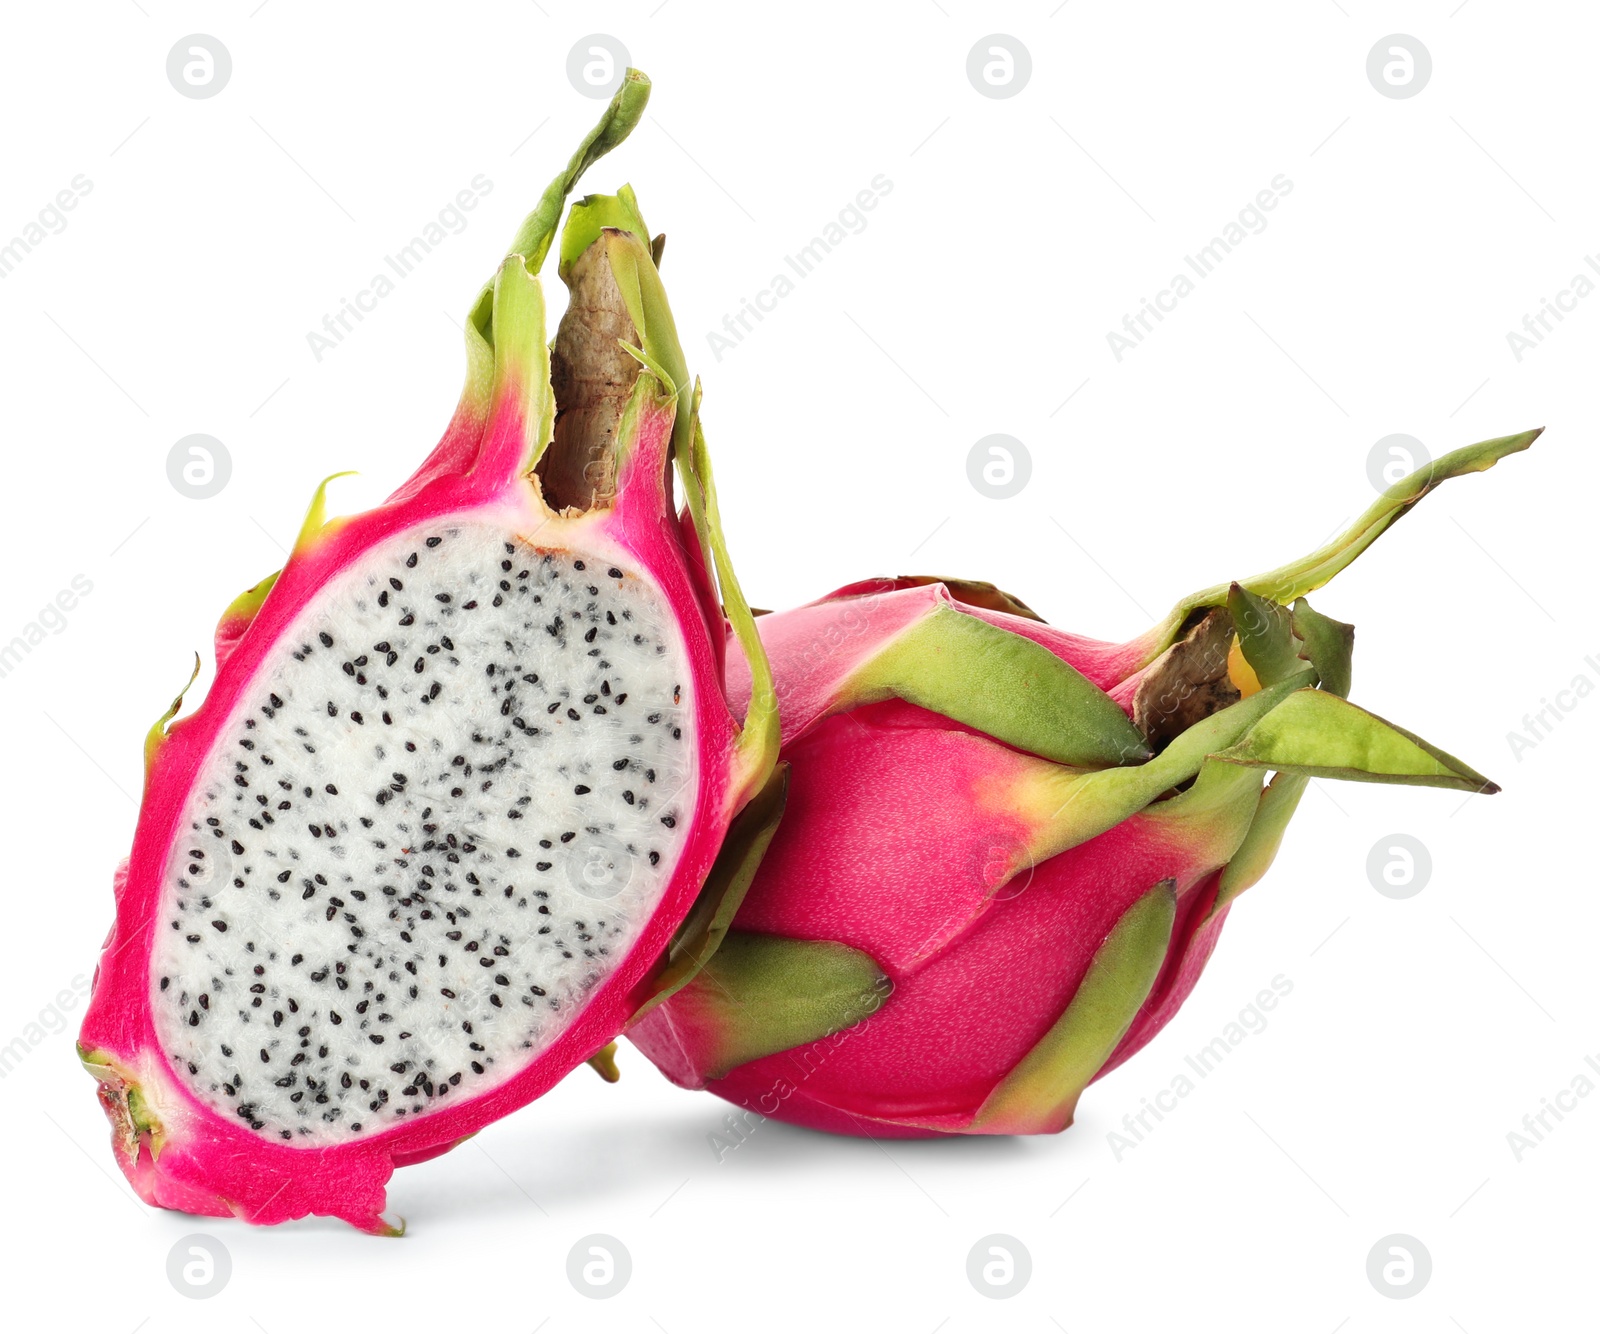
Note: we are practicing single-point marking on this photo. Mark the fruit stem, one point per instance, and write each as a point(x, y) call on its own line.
point(1310, 573)
point(538, 229)
point(624, 111)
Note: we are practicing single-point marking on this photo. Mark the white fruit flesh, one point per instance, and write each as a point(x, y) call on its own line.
point(443, 809)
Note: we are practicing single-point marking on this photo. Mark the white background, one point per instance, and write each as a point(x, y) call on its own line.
point(1018, 233)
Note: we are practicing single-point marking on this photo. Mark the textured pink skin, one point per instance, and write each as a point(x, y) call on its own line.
point(209, 1165)
point(821, 643)
point(1103, 663)
point(977, 980)
point(816, 647)
point(886, 846)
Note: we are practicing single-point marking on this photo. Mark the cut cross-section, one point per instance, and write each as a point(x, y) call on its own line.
point(427, 833)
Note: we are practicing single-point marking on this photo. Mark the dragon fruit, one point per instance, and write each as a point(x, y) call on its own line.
point(1007, 851)
point(461, 776)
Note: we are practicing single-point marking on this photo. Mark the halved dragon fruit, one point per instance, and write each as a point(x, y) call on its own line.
point(464, 768)
point(1007, 850)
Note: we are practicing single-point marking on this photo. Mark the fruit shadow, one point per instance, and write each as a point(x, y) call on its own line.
point(524, 1171)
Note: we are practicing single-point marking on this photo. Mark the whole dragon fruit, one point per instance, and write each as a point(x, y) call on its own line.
point(1007, 850)
point(464, 768)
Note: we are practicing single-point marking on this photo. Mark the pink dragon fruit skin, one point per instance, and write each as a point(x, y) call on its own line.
point(204, 1148)
point(955, 930)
